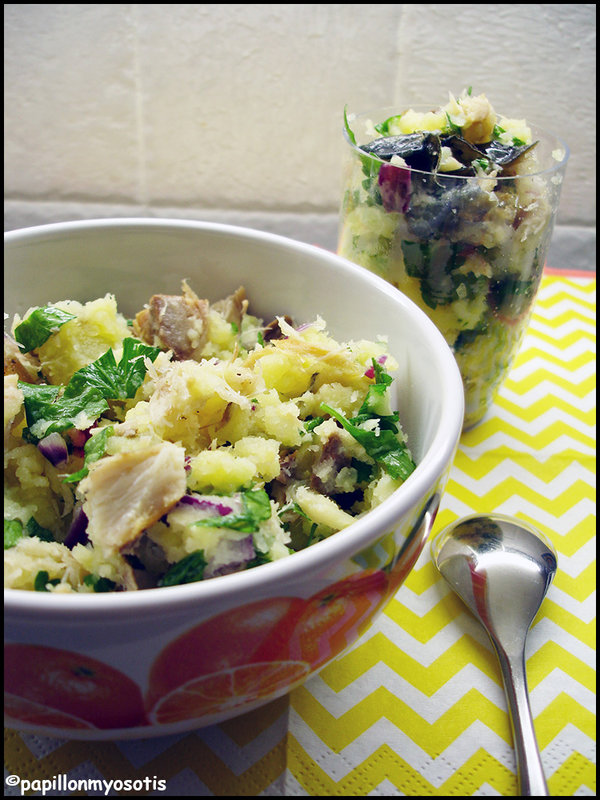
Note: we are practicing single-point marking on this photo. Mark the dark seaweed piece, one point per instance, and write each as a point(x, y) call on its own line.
point(439, 206)
point(465, 152)
point(422, 151)
point(504, 154)
point(511, 296)
point(419, 150)
point(467, 337)
point(499, 154)
point(433, 263)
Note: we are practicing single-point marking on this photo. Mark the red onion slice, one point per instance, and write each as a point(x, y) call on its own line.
point(206, 505)
point(54, 448)
point(394, 187)
point(77, 533)
point(239, 553)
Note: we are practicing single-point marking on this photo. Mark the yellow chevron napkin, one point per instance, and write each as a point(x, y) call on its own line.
point(416, 706)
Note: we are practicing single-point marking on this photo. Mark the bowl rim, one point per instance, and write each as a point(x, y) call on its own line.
point(257, 581)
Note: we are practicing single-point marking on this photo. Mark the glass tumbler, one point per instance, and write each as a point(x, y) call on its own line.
point(469, 250)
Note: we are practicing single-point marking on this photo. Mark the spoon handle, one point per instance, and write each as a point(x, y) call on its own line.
point(529, 765)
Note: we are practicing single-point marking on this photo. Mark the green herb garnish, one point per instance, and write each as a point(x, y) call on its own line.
point(115, 381)
point(41, 581)
point(259, 558)
point(33, 528)
point(100, 584)
point(293, 507)
point(51, 408)
point(381, 442)
point(484, 163)
point(189, 570)
point(311, 424)
point(93, 450)
point(370, 165)
point(256, 509)
point(384, 127)
point(13, 531)
point(39, 326)
point(452, 126)
point(47, 410)
point(347, 127)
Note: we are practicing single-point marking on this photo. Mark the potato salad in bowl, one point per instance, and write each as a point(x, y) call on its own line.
point(190, 441)
point(224, 452)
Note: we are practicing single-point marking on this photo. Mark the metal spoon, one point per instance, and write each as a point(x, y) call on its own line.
point(501, 568)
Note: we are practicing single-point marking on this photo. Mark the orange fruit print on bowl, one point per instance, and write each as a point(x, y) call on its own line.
point(230, 660)
point(240, 658)
point(49, 687)
point(336, 616)
point(259, 651)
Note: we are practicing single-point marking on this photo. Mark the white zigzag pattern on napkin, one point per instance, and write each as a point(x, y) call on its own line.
point(382, 676)
point(572, 565)
point(239, 758)
point(547, 308)
point(568, 340)
point(558, 445)
point(427, 653)
point(574, 287)
point(517, 472)
point(580, 327)
point(546, 311)
point(437, 770)
point(518, 506)
point(472, 739)
point(573, 410)
point(576, 376)
point(556, 683)
point(570, 738)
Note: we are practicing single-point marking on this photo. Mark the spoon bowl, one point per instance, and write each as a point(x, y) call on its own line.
point(501, 568)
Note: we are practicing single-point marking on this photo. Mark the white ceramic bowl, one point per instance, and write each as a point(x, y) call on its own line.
point(124, 650)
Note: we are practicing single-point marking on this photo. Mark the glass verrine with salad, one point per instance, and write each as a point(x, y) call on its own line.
point(455, 207)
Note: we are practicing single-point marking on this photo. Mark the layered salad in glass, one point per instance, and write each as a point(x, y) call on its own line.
point(455, 207)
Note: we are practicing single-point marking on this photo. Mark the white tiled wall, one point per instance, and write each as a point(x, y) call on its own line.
point(233, 111)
